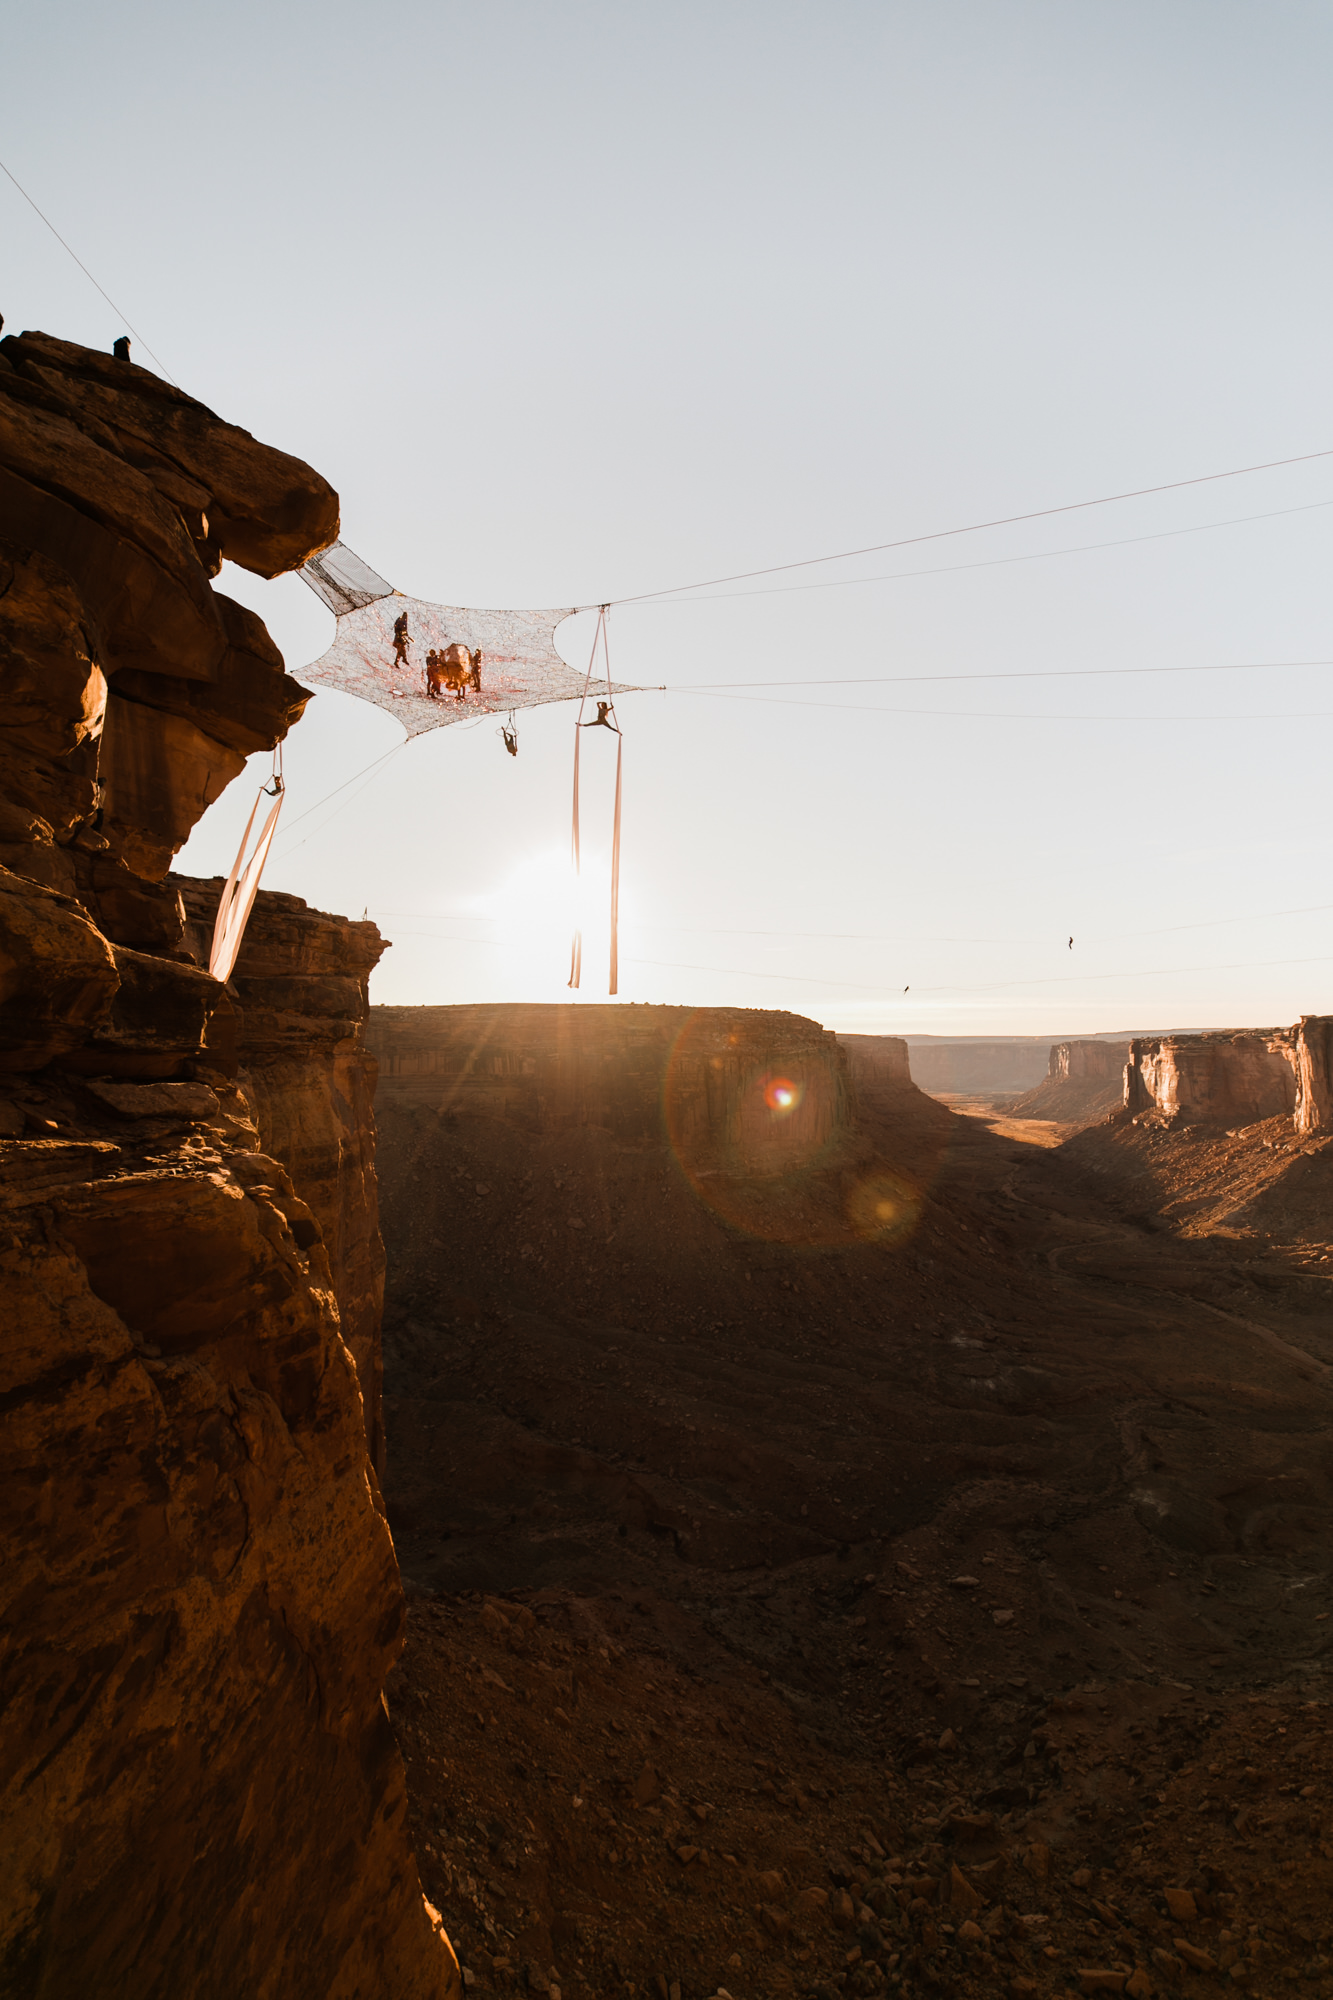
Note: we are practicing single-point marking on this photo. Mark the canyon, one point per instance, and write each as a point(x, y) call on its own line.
point(833, 1568)
point(599, 1500)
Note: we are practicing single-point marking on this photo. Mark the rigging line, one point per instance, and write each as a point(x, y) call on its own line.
point(337, 809)
point(874, 937)
point(86, 272)
point(978, 527)
point(1006, 674)
point(999, 562)
point(382, 759)
point(1066, 979)
point(989, 714)
point(891, 993)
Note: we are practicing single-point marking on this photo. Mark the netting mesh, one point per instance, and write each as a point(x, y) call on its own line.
point(339, 576)
point(433, 664)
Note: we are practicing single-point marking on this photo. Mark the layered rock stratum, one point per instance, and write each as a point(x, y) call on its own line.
point(200, 1792)
point(1085, 1080)
point(1235, 1078)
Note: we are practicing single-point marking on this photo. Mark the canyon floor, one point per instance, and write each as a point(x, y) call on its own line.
point(797, 1614)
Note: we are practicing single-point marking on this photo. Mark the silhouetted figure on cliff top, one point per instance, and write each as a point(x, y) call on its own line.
point(121, 349)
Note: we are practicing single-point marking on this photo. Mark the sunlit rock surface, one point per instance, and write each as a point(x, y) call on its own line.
point(199, 1788)
point(301, 981)
point(1218, 1078)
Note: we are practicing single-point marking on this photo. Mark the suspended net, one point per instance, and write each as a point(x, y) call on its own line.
point(433, 664)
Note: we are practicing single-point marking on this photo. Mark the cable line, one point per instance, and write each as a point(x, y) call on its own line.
point(979, 527)
point(991, 714)
point(856, 937)
point(86, 272)
point(1004, 674)
point(997, 562)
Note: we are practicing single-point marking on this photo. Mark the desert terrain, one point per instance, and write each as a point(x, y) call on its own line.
point(800, 1608)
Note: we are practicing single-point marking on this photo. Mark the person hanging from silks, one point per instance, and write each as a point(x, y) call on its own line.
point(242, 885)
point(605, 718)
point(523, 670)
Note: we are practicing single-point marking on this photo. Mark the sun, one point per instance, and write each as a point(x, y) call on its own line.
point(533, 911)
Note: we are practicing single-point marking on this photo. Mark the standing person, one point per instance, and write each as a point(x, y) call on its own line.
point(400, 640)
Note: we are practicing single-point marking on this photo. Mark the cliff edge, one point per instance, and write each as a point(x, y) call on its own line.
point(199, 1789)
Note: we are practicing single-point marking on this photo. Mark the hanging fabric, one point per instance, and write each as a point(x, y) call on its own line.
point(606, 718)
point(242, 884)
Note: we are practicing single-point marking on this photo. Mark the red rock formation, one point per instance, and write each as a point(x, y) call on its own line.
point(877, 1062)
point(301, 979)
point(199, 1791)
point(734, 1088)
point(1084, 1082)
point(1312, 1055)
point(1212, 1079)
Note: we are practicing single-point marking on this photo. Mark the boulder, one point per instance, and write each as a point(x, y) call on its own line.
point(266, 511)
point(58, 975)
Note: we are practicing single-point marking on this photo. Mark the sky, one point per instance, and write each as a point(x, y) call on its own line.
point(579, 302)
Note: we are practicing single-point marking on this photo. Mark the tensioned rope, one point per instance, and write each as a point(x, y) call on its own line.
point(978, 527)
point(993, 562)
point(992, 714)
point(1004, 674)
point(887, 988)
point(856, 937)
point(86, 272)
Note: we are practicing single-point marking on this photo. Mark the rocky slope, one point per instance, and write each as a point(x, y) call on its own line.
point(759, 1563)
point(199, 1788)
point(1084, 1082)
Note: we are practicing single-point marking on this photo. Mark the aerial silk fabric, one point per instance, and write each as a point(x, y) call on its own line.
point(519, 666)
point(242, 887)
point(607, 709)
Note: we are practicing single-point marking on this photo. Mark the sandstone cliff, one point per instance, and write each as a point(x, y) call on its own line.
point(1084, 1081)
point(736, 1089)
point(1312, 1058)
point(1228, 1079)
point(199, 1790)
point(301, 980)
point(877, 1062)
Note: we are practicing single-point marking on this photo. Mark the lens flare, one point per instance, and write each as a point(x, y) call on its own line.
point(883, 1206)
point(781, 1094)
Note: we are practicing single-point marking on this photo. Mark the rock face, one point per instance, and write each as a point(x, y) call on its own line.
point(877, 1062)
point(202, 1793)
point(1312, 1056)
point(1084, 1082)
point(1087, 1062)
point(199, 1788)
point(1212, 1079)
point(735, 1089)
point(301, 979)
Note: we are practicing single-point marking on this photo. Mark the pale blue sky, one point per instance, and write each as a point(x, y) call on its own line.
point(581, 301)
